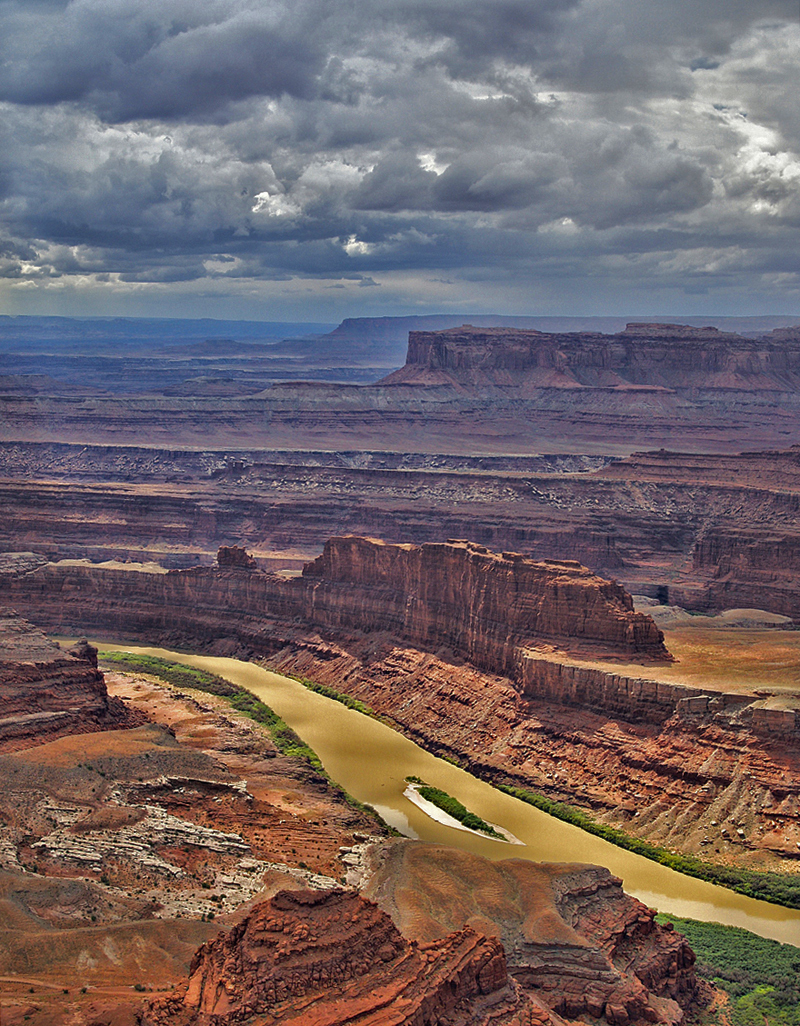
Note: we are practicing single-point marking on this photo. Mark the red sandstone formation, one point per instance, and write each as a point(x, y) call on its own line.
point(232, 557)
point(702, 531)
point(46, 692)
point(312, 958)
point(572, 937)
point(615, 743)
point(689, 773)
point(673, 357)
point(481, 604)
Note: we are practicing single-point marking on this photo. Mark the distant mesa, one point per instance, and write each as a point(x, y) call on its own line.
point(671, 357)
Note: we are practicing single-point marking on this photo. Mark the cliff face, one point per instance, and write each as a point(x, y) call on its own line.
point(643, 356)
point(572, 937)
point(327, 958)
point(46, 692)
point(479, 603)
point(707, 531)
point(458, 595)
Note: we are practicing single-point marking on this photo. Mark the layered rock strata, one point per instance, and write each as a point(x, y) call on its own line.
point(328, 958)
point(45, 691)
point(706, 532)
point(571, 935)
point(651, 384)
point(699, 769)
point(674, 357)
point(482, 605)
point(721, 780)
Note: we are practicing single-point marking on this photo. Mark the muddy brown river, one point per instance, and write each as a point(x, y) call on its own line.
point(371, 761)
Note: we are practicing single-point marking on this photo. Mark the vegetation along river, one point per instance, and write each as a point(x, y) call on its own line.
point(371, 761)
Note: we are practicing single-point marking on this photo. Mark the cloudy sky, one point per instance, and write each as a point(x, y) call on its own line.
point(314, 159)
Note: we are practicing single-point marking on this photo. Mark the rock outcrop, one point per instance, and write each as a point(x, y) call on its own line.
point(45, 691)
point(674, 357)
point(234, 557)
point(572, 937)
point(479, 604)
point(328, 958)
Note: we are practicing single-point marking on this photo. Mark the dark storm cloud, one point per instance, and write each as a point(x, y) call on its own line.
point(500, 141)
point(164, 59)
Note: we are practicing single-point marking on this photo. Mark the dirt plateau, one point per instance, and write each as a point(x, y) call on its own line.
point(121, 845)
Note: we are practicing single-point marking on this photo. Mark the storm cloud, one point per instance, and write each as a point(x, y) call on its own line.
point(536, 155)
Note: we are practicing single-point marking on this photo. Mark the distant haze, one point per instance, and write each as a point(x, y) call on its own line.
point(311, 161)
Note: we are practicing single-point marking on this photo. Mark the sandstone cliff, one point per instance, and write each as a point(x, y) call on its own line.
point(46, 692)
point(481, 605)
point(666, 524)
point(311, 958)
point(572, 937)
point(673, 357)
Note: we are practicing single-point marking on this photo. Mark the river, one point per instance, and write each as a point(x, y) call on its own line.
point(371, 761)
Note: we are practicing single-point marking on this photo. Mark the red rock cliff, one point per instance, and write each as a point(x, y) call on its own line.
point(46, 692)
point(572, 936)
point(324, 958)
point(654, 356)
point(481, 604)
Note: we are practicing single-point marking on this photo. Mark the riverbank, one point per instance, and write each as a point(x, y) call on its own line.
point(371, 762)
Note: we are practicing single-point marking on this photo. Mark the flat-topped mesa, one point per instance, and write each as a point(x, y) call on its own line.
point(45, 691)
point(483, 605)
point(656, 356)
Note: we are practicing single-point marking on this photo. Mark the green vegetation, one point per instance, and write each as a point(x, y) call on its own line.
point(453, 807)
point(286, 741)
point(244, 701)
point(177, 674)
point(337, 696)
point(762, 977)
point(779, 888)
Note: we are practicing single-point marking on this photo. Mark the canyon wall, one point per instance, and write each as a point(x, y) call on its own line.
point(47, 692)
point(571, 935)
point(706, 532)
point(479, 604)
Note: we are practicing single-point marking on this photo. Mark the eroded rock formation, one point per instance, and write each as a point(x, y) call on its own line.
point(328, 958)
point(572, 936)
point(705, 531)
point(481, 605)
point(45, 691)
point(673, 357)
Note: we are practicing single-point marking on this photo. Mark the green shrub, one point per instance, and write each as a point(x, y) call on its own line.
point(453, 807)
point(779, 888)
point(762, 977)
